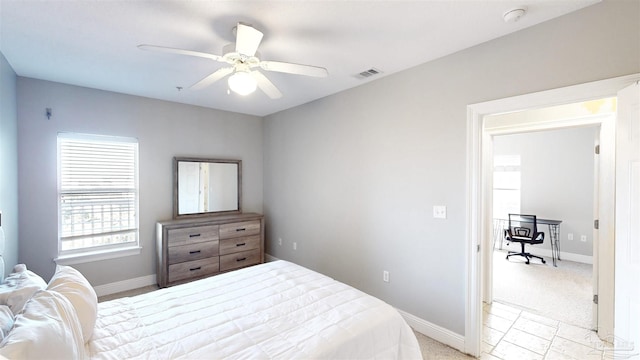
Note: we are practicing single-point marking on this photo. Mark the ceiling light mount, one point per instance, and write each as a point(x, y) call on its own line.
point(514, 15)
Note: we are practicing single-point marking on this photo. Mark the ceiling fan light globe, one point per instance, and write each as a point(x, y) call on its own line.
point(242, 83)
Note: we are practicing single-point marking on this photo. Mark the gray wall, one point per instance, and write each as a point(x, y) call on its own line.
point(557, 171)
point(352, 178)
point(163, 130)
point(8, 162)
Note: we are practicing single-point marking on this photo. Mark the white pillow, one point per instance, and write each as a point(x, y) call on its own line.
point(20, 275)
point(48, 328)
point(18, 287)
point(6, 321)
point(70, 283)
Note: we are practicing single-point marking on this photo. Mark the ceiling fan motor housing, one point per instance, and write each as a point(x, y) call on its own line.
point(233, 57)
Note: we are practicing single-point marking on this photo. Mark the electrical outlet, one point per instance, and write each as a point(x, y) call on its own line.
point(385, 276)
point(280, 241)
point(570, 236)
point(583, 238)
point(439, 212)
point(295, 246)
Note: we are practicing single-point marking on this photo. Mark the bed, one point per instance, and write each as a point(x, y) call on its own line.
point(276, 310)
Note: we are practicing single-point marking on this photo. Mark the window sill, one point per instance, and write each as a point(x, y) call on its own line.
point(97, 256)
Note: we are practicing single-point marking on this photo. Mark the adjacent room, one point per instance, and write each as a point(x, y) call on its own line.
point(264, 179)
point(553, 174)
point(550, 175)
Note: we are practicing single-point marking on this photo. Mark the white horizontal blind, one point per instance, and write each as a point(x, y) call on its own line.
point(98, 195)
point(506, 185)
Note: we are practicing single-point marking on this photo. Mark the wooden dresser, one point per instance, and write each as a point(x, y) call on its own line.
point(196, 248)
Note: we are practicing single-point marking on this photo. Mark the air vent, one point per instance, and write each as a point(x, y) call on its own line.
point(368, 73)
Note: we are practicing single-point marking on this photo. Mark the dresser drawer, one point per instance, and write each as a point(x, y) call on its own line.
point(191, 249)
point(182, 253)
point(239, 229)
point(193, 269)
point(239, 259)
point(229, 246)
point(191, 235)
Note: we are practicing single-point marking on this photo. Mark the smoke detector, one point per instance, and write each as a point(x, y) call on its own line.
point(513, 15)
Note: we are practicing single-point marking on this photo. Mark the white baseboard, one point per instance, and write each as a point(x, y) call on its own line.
point(125, 285)
point(585, 259)
point(422, 326)
point(130, 284)
point(435, 332)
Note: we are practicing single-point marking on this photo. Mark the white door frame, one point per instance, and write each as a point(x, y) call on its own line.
point(479, 225)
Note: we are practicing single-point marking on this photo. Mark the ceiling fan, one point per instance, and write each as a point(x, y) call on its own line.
point(244, 61)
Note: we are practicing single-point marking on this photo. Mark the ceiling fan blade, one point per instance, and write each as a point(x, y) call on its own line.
point(180, 52)
point(297, 69)
point(210, 79)
point(266, 85)
point(247, 39)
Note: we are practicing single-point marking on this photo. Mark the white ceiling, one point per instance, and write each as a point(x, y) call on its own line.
point(94, 43)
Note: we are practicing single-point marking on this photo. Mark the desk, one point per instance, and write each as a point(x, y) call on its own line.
point(499, 225)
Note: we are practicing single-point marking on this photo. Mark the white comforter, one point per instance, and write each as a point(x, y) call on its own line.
point(275, 310)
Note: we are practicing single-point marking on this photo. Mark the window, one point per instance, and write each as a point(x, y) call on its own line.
point(506, 185)
point(97, 194)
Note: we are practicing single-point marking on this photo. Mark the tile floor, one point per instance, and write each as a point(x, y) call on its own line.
point(510, 333)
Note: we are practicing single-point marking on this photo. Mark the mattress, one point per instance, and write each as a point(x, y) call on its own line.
point(276, 310)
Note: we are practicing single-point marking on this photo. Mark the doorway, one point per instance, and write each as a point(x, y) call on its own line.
point(479, 229)
point(549, 174)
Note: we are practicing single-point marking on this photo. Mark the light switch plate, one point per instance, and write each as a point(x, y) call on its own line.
point(439, 212)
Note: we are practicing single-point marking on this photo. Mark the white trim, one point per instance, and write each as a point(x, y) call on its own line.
point(473, 310)
point(136, 283)
point(584, 259)
point(475, 232)
point(433, 331)
point(422, 326)
point(125, 285)
point(560, 96)
point(81, 258)
point(95, 137)
point(550, 125)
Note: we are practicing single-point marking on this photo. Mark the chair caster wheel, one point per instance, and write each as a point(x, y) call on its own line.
point(544, 262)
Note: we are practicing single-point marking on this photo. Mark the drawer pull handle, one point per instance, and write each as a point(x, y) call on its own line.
point(193, 235)
point(196, 269)
point(241, 244)
point(241, 259)
point(194, 252)
point(241, 229)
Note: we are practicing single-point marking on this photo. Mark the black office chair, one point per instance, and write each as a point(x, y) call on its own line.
point(523, 229)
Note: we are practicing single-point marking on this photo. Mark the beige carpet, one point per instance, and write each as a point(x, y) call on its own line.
point(562, 293)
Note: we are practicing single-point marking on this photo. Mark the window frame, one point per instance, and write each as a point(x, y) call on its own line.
point(94, 253)
point(507, 164)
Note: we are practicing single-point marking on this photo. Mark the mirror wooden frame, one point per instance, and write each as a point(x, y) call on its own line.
point(176, 195)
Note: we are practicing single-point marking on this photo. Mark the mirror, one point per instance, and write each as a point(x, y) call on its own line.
point(205, 186)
